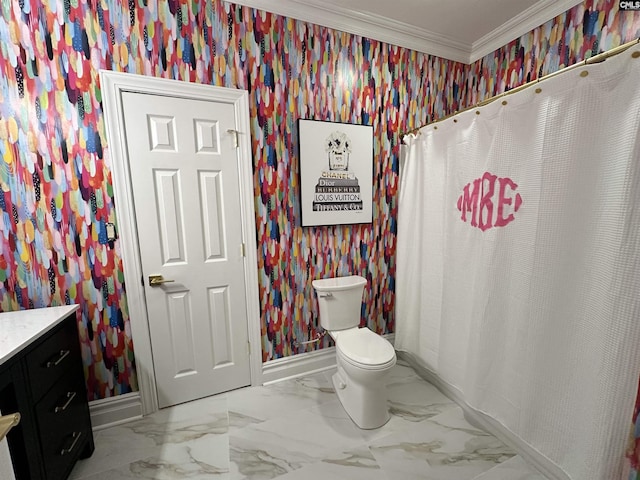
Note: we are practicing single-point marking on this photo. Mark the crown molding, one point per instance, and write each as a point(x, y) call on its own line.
point(534, 16)
point(366, 25)
point(408, 36)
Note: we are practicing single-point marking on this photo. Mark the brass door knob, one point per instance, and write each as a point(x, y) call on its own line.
point(155, 280)
point(7, 422)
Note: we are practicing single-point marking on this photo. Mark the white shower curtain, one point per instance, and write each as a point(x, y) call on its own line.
point(518, 262)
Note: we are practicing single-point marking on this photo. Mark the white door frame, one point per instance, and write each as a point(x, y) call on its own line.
point(113, 84)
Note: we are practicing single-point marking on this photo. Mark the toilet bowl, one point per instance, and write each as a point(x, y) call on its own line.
point(363, 358)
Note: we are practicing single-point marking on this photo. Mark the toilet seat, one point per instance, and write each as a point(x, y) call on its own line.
point(365, 349)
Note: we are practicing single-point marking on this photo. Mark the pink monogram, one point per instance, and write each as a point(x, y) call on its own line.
point(481, 196)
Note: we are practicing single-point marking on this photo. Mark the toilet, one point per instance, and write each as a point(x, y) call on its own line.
point(363, 358)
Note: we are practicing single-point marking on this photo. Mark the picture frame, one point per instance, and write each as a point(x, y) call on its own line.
point(336, 173)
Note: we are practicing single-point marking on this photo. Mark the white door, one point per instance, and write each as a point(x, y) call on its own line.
point(186, 191)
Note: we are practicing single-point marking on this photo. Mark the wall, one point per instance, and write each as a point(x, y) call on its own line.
point(591, 27)
point(327, 75)
point(55, 176)
point(633, 452)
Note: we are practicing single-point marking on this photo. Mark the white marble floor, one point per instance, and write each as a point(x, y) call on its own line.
point(297, 430)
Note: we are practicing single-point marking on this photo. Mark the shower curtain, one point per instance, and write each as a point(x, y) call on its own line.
point(518, 262)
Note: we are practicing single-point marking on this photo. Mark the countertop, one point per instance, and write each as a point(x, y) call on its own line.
point(21, 328)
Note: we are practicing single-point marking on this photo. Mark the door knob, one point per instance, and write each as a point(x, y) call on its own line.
point(155, 280)
point(7, 422)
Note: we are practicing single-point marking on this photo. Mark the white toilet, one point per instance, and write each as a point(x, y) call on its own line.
point(364, 358)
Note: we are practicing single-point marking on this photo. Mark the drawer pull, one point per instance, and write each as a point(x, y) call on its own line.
point(61, 356)
point(70, 397)
point(76, 437)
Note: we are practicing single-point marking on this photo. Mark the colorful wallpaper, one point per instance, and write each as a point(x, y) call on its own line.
point(57, 192)
point(590, 28)
point(306, 71)
point(633, 453)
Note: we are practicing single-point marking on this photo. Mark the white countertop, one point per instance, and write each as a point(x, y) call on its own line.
point(21, 328)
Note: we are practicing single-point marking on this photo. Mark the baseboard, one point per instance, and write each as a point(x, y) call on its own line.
point(485, 422)
point(298, 365)
point(303, 364)
point(109, 412)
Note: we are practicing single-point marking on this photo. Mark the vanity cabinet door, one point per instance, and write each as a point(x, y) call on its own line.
point(45, 384)
point(63, 430)
point(6, 467)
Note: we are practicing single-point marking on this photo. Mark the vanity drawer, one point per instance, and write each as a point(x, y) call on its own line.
point(53, 357)
point(62, 417)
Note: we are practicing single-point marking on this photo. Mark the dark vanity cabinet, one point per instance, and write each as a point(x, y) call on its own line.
point(43, 380)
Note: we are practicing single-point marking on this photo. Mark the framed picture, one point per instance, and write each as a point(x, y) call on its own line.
point(336, 173)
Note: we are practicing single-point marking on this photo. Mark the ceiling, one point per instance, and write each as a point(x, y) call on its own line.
point(461, 30)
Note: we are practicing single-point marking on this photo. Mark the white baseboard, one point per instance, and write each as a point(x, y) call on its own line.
point(109, 412)
point(298, 365)
point(484, 422)
point(303, 364)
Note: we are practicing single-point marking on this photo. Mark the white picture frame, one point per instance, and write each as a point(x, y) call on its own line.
point(336, 173)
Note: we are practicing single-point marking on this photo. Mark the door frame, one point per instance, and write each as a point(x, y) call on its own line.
point(113, 84)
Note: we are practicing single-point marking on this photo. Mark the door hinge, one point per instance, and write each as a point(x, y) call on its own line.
point(248, 348)
point(235, 137)
point(243, 249)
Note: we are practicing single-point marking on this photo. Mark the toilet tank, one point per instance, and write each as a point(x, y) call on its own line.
point(339, 300)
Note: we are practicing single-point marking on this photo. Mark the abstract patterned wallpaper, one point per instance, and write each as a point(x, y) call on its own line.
point(589, 28)
point(57, 195)
point(633, 452)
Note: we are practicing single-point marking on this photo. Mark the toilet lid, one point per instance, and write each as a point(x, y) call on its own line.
point(363, 346)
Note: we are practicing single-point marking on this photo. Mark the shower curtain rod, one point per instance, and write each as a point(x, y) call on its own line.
point(601, 57)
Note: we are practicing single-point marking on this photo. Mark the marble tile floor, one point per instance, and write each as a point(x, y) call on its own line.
point(297, 430)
